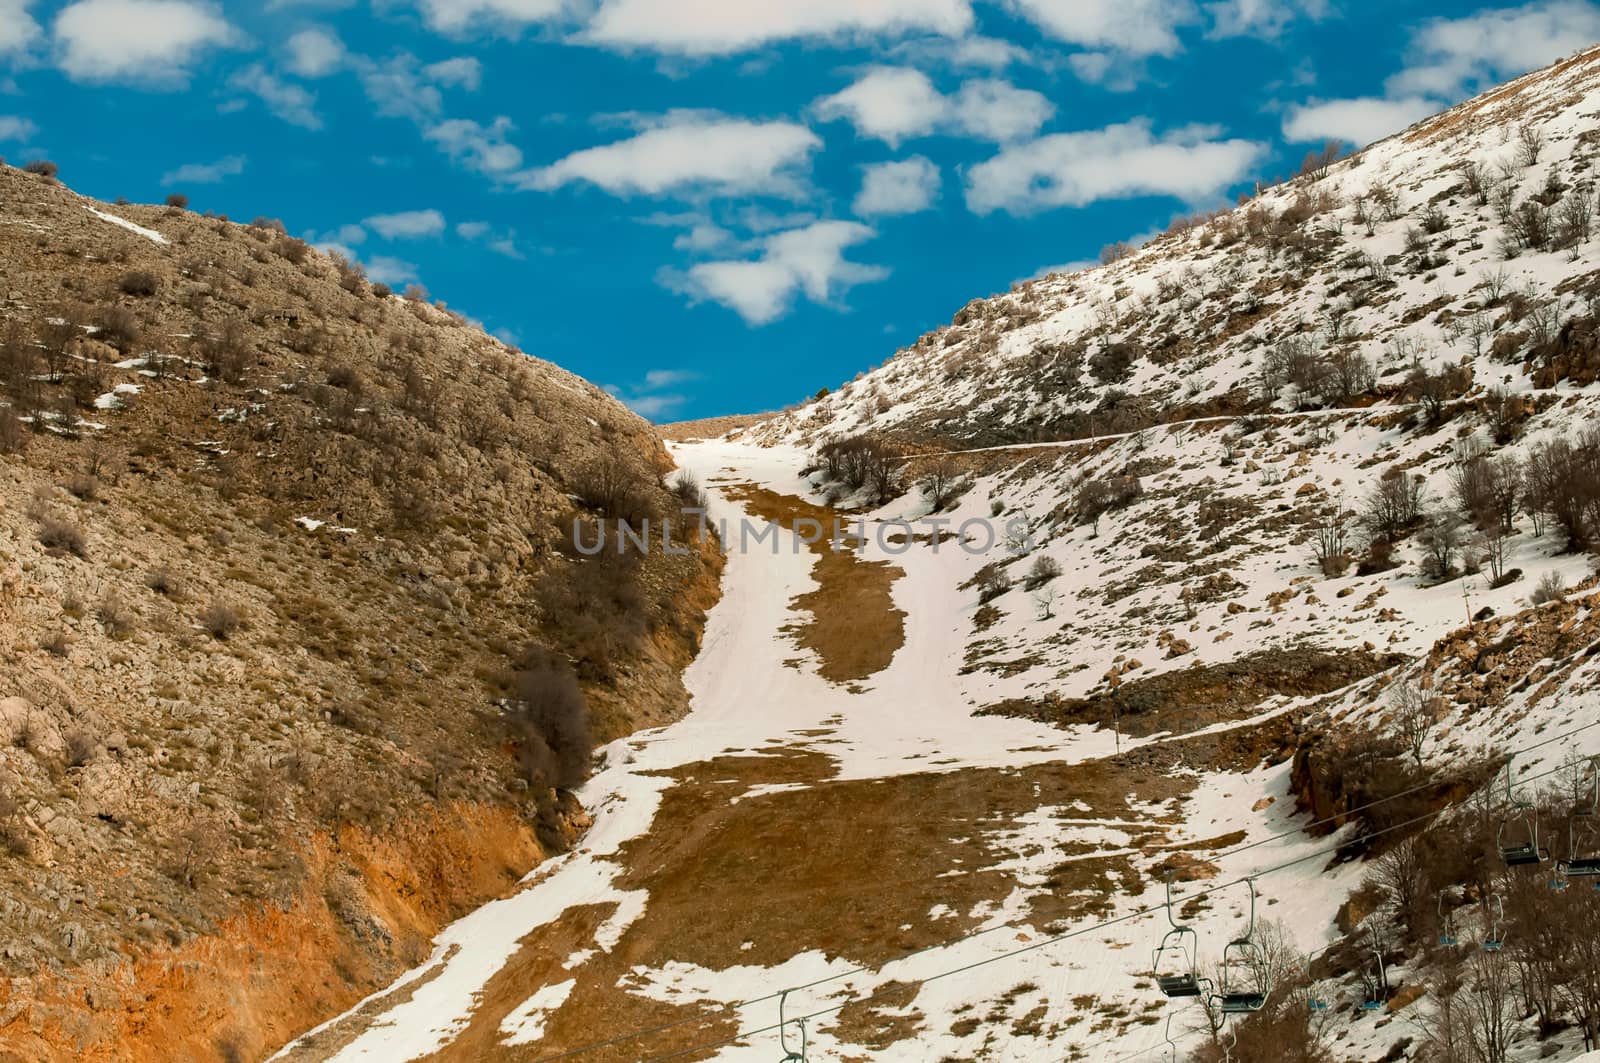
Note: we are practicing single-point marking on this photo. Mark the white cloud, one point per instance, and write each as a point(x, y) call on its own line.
point(391, 271)
point(207, 173)
point(461, 72)
point(482, 148)
point(136, 40)
point(1260, 18)
point(903, 187)
point(721, 27)
point(962, 53)
point(888, 104)
point(1451, 57)
point(18, 30)
point(893, 104)
point(506, 246)
point(399, 90)
point(691, 153)
point(406, 225)
point(808, 261)
point(345, 237)
point(1137, 27)
point(652, 398)
point(285, 99)
point(453, 16)
point(1356, 121)
point(315, 53)
point(472, 230)
point(1118, 162)
point(999, 111)
point(13, 127)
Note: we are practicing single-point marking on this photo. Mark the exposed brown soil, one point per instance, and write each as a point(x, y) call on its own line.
point(1197, 697)
point(365, 912)
point(855, 628)
point(759, 880)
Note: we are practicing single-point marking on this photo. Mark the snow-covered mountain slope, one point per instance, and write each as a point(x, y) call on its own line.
point(1466, 240)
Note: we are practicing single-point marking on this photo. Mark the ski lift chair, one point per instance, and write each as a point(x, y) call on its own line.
point(1497, 938)
point(1518, 836)
point(790, 1054)
point(1176, 961)
point(1447, 924)
point(1584, 863)
point(1238, 996)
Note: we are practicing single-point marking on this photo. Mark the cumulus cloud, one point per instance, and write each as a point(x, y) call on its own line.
point(1449, 58)
point(398, 89)
point(315, 53)
point(1355, 121)
point(887, 103)
point(722, 27)
point(1118, 162)
point(453, 16)
point(205, 173)
point(805, 262)
point(893, 104)
point(1260, 18)
point(18, 30)
point(1137, 27)
point(461, 72)
point(479, 147)
point(407, 225)
point(149, 41)
point(903, 187)
point(394, 272)
point(288, 101)
point(692, 153)
point(973, 51)
point(14, 127)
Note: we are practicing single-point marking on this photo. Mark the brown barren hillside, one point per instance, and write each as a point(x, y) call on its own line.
point(293, 651)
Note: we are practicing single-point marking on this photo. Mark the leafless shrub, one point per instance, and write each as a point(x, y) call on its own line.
point(115, 617)
point(140, 282)
point(1530, 143)
point(56, 644)
point(42, 167)
point(1394, 505)
point(1550, 588)
point(118, 326)
point(1042, 571)
point(164, 582)
point(220, 620)
point(61, 536)
point(550, 718)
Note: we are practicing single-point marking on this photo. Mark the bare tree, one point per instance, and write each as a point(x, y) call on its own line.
point(939, 482)
point(1412, 713)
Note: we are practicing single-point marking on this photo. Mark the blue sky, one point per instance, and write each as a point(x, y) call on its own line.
point(719, 206)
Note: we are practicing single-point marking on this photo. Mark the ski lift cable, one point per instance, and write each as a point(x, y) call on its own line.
point(623, 1038)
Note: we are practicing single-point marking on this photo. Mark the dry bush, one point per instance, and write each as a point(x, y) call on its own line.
point(12, 436)
point(220, 620)
point(13, 831)
point(1551, 588)
point(164, 582)
point(83, 486)
point(56, 644)
point(119, 327)
point(1043, 570)
point(61, 536)
point(178, 201)
point(550, 719)
point(116, 618)
point(140, 282)
point(42, 167)
point(81, 747)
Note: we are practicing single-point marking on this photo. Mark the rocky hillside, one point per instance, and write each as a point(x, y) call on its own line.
point(1462, 247)
point(297, 660)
